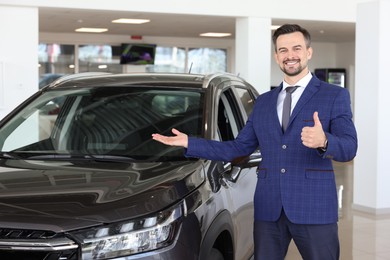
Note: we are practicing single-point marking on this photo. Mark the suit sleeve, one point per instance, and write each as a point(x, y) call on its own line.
point(342, 136)
point(245, 143)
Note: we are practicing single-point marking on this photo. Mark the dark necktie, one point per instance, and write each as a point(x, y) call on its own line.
point(287, 107)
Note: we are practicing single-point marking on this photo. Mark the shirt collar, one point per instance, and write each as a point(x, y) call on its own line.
point(302, 83)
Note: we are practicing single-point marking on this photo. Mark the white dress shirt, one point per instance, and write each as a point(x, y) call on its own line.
point(302, 83)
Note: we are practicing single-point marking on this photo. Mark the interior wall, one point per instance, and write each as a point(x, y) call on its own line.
point(345, 58)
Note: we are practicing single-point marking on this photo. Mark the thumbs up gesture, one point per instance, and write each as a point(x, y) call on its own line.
point(314, 136)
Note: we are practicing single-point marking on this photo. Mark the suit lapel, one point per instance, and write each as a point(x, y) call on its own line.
point(309, 92)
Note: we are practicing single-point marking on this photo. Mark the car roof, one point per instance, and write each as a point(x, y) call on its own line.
point(180, 80)
point(108, 79)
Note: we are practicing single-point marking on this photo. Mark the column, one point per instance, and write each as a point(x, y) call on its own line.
point(372, 111)
point(18, 55)
point(253, 51)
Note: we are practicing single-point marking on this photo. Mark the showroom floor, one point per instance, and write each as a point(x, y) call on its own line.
point(362, 236)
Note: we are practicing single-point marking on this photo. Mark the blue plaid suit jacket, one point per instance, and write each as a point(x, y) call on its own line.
point(291, 176)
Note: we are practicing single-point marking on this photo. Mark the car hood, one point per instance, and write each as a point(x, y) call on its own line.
point(64, 196)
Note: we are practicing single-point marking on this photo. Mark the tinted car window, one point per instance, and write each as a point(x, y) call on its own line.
point(229, 119)
point(246, 99)
point(104, 121)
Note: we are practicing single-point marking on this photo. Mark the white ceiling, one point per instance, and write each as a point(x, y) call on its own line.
point(60, 20)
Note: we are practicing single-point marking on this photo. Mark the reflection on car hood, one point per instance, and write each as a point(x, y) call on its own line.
point(72, 195)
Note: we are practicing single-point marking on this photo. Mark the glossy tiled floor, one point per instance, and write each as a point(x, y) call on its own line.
point(362, 236)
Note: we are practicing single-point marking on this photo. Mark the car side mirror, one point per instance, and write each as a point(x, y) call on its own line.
point(233, 169)
point(251, 160)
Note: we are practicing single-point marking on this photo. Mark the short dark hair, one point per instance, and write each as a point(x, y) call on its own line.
point(290, 28)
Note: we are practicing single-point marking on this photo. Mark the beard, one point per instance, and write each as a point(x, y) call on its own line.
point(292, 71)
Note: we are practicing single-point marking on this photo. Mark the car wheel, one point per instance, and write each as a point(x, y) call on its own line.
point(215, 254)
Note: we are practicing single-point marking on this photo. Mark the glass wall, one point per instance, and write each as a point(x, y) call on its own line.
point(207, 60)
point(169, 59)
point(99, 58)
point(56, 60)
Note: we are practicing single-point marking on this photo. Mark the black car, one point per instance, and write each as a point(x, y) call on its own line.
point(83, 179)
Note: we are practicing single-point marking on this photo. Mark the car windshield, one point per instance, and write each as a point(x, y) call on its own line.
point(102, 122)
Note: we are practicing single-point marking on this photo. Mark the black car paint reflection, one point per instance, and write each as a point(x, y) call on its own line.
point(53, 192)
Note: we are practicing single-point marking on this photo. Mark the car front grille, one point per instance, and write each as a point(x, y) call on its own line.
point(6, 233)
point(36, 245)
point(28, 255)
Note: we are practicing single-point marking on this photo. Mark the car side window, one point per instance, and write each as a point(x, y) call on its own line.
point(247, 99)
point(229, 118)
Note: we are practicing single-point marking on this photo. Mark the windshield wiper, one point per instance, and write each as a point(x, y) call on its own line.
point(110, 158)
point(90, 157)
point(9, 155)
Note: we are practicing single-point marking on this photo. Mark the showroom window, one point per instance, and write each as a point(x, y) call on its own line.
point(99, 58)
point(56, 60)
point(169, 59)
point(207, 60)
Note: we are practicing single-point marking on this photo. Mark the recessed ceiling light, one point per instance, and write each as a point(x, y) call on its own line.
point(214, 34)
point(132, 21)
point(92, 30)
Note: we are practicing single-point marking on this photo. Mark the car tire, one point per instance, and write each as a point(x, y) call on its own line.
point(215, 254)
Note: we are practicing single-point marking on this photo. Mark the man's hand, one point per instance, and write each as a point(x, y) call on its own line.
point(180, 139)
point(314, 137)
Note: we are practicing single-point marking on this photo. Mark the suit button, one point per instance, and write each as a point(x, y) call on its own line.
point(284, 147)
point(282, 170)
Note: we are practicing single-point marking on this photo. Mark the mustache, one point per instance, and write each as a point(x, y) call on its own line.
point(294, 60)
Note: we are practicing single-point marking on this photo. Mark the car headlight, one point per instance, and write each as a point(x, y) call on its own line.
point(131, 237)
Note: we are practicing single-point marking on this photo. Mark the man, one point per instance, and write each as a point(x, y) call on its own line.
point(296, 195)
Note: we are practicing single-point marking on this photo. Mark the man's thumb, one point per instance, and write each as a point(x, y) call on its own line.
point(317, 121)
point(175, 131)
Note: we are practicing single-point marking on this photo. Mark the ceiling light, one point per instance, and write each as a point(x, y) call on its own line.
point(92, 30)
point(214, 34)
point(132, 21)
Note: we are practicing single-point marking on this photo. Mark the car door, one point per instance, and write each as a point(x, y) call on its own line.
point(233, 108)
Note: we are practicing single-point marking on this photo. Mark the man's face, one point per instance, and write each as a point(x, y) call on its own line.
point(291, 54)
